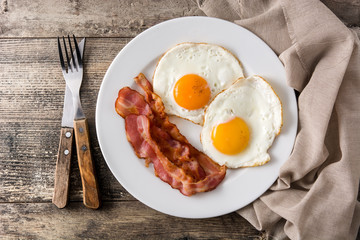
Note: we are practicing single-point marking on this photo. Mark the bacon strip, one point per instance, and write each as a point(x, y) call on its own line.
point(160, 142)
point(178, 153)
point(174, 150)
point(158, 109)
point(131, 102)
point(138, 133)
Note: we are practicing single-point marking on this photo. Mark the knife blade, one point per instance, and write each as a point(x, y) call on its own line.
point(62, 171)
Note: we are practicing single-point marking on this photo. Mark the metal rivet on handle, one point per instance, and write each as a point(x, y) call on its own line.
point(68, 134)
point(66, 152)
point(81, 130)
point(84, 148)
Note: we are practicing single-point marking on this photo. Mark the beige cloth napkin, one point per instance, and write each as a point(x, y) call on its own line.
point(315, 196)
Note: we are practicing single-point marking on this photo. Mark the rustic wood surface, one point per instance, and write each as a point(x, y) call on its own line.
point(32, 88)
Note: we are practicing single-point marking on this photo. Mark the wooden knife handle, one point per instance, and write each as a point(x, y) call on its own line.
point(87, 171)
point(62, 171)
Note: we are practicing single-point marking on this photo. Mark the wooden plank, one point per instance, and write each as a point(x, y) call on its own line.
point(112, 18)
point(27, 164)
point(126, 18)
point(32, 91)
point(30, 74)
point(115, 220)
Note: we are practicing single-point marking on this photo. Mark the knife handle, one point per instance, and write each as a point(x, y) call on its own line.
point(86, 165)
point(62, 171)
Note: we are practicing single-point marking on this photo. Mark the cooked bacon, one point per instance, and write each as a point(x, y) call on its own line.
point(131, 102)
point(178, 153)
point(160, 142)
point(138, 133)
point(174, 150)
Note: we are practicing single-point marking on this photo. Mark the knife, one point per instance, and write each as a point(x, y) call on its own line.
point(62, 171)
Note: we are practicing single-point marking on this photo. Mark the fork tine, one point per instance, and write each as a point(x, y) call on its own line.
point(67, 57)
point(71, 51)
point(78, 52)
point(61, 56)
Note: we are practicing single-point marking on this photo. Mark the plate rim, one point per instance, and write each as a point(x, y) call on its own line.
point(100, 93)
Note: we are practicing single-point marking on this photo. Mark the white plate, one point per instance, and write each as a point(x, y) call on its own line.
point(241, 186)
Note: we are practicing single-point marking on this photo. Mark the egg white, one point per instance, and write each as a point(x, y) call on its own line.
point(215, 64)
point(253, 100)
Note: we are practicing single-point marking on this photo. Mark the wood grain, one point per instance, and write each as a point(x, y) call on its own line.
point(31, 79)
point(114, 220)
point(62, 170)
point(32, 90)
point(91, 198)
point(125, 18)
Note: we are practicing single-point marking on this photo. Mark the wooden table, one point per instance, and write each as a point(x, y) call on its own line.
point(32, 89)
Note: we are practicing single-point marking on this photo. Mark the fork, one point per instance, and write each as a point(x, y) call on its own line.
point(73, 75)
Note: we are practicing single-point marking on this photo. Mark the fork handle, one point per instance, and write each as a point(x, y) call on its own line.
point(62, 171)
point(86, 165)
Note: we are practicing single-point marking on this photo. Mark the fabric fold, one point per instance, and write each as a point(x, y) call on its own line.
point(315, 196)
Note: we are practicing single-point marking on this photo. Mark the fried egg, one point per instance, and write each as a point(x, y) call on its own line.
point(241, 123)
point(190, 75)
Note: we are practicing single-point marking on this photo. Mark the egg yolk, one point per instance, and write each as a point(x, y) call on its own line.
point(231, 137)
point(191, 92)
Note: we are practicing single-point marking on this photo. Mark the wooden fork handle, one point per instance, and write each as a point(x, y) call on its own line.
point(62, 171)
point(87, 170)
